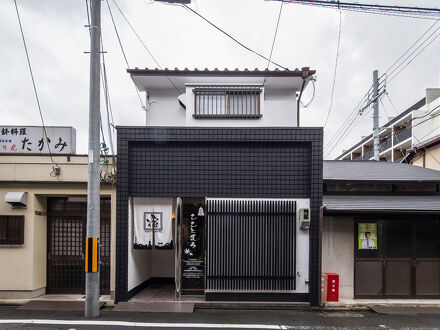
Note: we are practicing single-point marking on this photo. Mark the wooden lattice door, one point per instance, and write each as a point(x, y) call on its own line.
point(66, 233)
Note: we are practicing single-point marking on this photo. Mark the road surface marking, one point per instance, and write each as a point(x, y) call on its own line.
point(143, 324)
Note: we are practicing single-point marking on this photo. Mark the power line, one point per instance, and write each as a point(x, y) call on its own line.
point(144, 45)
point(123, 52)
point(35, 89)
point(312, 80)
point(410, 61)
point(232, 38)
point(275, 35)
point(336, 68)
point(369, 8)
point(415, 42)
point(402, 64)
point(391, 102)
point(350, 119)
point(105, 89)
point(390, 74)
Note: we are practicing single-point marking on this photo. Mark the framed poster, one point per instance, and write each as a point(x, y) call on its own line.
point(367, 236)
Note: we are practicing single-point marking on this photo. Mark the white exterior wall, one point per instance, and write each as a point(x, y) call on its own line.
point(302, 250)
point(338, 252)
point(277, 106)
point(145, 264)
point(424, 129)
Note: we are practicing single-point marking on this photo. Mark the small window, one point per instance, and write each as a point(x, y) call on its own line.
point(227, 102)
point(11, 230)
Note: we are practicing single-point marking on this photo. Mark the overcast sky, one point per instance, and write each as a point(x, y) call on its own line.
point(57, 40)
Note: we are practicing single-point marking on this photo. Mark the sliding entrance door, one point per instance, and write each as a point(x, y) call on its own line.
point(397, 259)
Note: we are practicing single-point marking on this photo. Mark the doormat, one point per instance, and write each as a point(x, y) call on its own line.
point(46, 305)
point(406, 310)
point(155, 307)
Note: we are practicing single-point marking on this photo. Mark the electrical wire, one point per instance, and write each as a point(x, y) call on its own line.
point(408, 63)
point(144, 45)
point(123, 52)
point(312, 80)
point(403, 61)
point(384, 109)
point(387, 71)
point(350, 119)
point(336, 68)
point(275, 35)
point(234, 39)
point(391, 102)
point(104, 173)
point(54, 164)
point(370, 8)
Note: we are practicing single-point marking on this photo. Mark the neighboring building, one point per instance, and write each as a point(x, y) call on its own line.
point(220, 163)
point(407, 137)
point(381, 229)
point(43, 215)
point(427, 153)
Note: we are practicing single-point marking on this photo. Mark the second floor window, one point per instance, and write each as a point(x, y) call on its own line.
point(227, 102)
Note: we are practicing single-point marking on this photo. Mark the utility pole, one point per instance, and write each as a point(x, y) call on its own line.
point(93, 184)
point(376, 115)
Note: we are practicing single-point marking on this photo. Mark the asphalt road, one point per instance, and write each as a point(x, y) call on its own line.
point(215, 319)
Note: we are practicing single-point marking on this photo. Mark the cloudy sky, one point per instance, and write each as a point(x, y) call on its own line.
point(307, 36)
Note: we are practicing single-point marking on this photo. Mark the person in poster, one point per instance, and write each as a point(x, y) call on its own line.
point(368, 243)
point(367, 236)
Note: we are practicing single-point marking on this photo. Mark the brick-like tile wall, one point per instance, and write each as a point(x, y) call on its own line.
point(218, 162)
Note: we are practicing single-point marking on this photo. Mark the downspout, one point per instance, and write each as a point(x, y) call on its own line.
point(304, 75)
point(321, 220)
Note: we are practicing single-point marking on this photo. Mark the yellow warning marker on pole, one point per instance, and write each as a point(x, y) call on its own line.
point(92, 255)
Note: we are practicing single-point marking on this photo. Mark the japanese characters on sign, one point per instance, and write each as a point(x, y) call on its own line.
point(32, 140)
point(192, 247)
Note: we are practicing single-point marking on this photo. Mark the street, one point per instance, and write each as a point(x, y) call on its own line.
point(11, 318)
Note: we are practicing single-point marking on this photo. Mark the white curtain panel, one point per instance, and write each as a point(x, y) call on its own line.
point(152, 216)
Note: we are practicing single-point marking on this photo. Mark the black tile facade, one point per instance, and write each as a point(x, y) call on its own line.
point(218, 162)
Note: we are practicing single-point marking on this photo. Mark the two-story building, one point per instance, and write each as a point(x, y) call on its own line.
point(219, 193)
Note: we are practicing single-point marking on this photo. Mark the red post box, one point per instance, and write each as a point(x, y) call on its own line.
point(332, 287)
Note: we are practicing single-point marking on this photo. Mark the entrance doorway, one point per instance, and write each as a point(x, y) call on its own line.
point(66, 234)
point(402, 259)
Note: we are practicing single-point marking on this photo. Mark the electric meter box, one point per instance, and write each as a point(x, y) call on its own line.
point(304, 218)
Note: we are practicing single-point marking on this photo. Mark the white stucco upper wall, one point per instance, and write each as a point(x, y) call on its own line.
point(278, 99)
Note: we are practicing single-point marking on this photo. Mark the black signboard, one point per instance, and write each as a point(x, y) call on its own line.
point(193, 263)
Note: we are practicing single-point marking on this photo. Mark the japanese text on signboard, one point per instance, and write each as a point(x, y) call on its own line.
point(18, 139)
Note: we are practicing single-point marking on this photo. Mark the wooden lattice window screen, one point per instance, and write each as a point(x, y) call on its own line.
point(11, 229)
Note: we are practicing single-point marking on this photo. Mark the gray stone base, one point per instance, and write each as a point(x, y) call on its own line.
point(22, 294)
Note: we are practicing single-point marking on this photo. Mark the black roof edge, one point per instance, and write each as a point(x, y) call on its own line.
point(415, 106)
point(304, 72)
point(223, 127)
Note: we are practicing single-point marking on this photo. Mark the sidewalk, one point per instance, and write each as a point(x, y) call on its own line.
point(359, 304)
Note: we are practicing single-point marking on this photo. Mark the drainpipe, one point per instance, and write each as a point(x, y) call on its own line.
point(304, 75)
point(321, 220)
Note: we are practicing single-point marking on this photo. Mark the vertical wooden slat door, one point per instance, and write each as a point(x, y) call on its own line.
point(66, 233)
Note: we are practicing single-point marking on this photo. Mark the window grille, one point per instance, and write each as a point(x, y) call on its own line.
point(227, 102)
point(11, 230)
